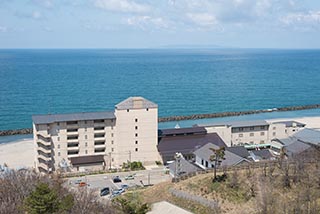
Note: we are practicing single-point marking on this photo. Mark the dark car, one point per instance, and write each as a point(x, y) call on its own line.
point(105, 191)
point(116, 180)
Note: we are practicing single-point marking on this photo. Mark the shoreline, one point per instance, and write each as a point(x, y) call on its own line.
point(24, 131)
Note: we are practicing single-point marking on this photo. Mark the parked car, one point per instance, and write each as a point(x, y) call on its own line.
point(82, 184)
point(78, 181)
point(116, 179)
point(124, 186)
point(105, 191)
point(129, 177)
point(118, 191)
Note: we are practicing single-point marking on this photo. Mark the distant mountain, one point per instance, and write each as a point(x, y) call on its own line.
point(182, 46)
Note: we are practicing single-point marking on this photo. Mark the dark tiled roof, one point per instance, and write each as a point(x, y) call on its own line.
point(296, 148)
point(90, 159)
point(187, 143)
point(182, 131)
point(135, 103)
point(230, 159)
point(264, 154)
point(308, 136)
point(239, 150)
point(291, 123)
point(185, 167)
point(52, 118)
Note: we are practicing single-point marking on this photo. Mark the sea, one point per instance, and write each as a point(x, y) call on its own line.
point(180, 81)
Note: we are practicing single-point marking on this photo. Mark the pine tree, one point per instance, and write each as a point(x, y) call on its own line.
point(42, 200)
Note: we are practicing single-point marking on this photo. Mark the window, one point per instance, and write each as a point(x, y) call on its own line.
point(86, 137)
point(58, 153)
point(112, 149)
point(112, 142)
point(86, 151)
point(136, 134)
point(274, 128)
point(136, 127)
point(147, 109)
point(136, 149)
point(240, 135)
point(111, 127)
point(85, 122)
point(262, 133)
point(273, 134)
point(240, 129)
point(127, 110)
point(58, 138)
point(58, 146)
point(111, 134)
point(202, 162)
point(86, 144)
point(112, 159)
point(251, 142)
point(136, 142)
point(85, 129)
point(111, 120)
point(58, 124)
point(251, 128)
point(262, 142)
point(251, 134)
point(136, 120)
point(262, 127)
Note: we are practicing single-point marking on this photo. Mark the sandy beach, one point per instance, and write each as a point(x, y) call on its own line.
point(21, 153)
point(17, 154)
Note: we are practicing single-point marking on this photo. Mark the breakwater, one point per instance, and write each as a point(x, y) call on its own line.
point(15, 131)
point(235, 113)
point(191, 117)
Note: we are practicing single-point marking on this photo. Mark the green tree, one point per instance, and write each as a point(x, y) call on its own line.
point(217, 157)
point(132, 205)
point(42, 200)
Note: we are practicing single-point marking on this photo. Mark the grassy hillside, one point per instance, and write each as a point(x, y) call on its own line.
point(280, 188)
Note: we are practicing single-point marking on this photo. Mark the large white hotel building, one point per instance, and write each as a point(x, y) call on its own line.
point(99, 140)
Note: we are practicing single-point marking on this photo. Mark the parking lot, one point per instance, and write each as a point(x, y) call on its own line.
point(140, 178)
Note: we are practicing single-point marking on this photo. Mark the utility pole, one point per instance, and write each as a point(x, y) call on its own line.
point(110, 160)
point(130, 160)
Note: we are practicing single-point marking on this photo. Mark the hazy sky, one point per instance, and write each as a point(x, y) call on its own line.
point(159, 23)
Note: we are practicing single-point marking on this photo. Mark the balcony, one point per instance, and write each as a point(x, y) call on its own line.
point(72, 138)
point(46, 141)
point(99, 131)
point(43, 167)
point(44, 149)
point(43, 158)
point(72, 132)
point(43, 143)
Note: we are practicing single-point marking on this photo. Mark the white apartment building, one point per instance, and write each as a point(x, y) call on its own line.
point(97, 140)
point(253, 132)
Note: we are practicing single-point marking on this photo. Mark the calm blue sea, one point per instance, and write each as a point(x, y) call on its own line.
point(181, 82)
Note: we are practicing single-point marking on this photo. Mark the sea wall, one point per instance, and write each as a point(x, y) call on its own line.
point(235, 113)
point(191, 117)
point(16, 132)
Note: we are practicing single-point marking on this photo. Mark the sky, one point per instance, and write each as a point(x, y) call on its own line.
point(159, 23)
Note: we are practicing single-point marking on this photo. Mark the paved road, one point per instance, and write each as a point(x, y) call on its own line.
point(143, 177)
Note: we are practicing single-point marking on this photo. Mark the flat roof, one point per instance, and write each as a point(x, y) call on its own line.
point(52, 118)
point(291, 123)
point(181, 131)
point(90, 159)
point(239, 124)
